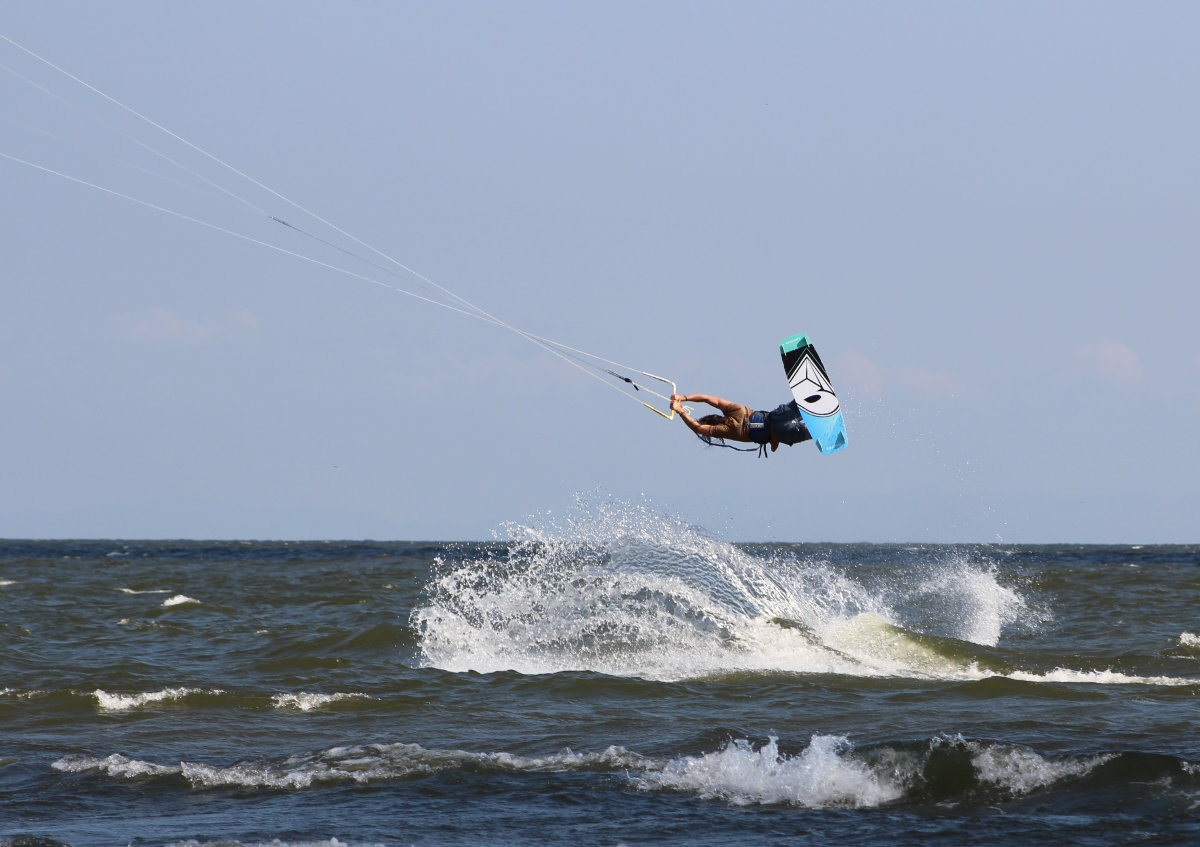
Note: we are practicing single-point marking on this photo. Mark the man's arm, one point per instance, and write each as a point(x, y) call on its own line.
point(677, 407)
point(726, 407)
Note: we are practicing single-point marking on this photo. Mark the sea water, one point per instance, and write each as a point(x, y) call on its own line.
point(611, 675)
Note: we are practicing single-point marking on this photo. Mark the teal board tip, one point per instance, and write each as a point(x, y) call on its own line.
point(795, 342)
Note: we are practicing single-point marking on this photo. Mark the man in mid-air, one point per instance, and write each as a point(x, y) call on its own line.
point(737, 423)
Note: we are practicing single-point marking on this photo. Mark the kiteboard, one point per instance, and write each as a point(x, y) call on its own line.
point(813, 392)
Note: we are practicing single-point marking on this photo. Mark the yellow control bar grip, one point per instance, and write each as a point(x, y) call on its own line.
point(655, 409)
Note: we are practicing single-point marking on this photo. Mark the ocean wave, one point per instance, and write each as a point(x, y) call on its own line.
point(827, 772)
point(115, 765)
point(111, 702)
point(880, 648)
point(179, 600)
point(305, 702)
point(65, 702)
point(823, 775)
point(831, 773)
point(1021, 771)
point(357, 764)
point(1104, 677)
point(884, 649)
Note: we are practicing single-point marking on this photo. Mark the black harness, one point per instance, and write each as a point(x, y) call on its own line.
point(758, 428)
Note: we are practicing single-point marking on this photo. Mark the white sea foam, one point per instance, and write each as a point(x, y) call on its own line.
point(1188, 639)
point(823, 775)
point(1105, 677)
point(1022, 771)
point(4, 582)
point(22, 695)
point(115, 765)
point(146, 591)
point(179, 600)
point(1015, 769)
point(110, 702)
point(305, 701)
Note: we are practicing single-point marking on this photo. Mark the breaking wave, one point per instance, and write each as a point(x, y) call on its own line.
point(828, 772)
point(622, 589)
point(114, 702)
point(305, 701)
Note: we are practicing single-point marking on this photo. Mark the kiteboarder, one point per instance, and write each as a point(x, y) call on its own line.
point(736, 422)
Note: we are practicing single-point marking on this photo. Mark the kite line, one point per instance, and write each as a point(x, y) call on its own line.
point(595, 366)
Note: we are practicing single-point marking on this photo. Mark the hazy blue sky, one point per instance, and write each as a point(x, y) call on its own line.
point(985, 215)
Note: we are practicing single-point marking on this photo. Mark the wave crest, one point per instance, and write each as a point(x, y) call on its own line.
point(828, 772)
